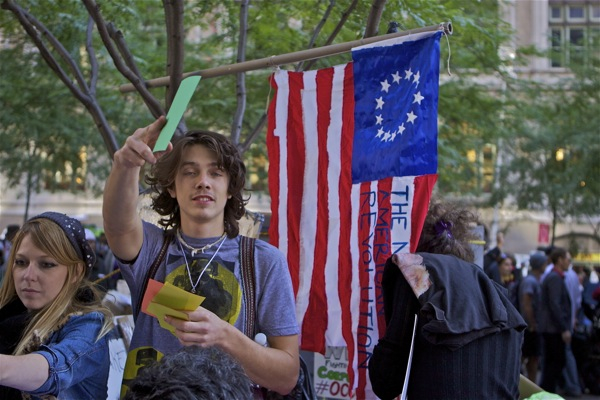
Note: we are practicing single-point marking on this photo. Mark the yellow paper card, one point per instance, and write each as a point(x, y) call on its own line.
point(177, 298)
point(160, 311)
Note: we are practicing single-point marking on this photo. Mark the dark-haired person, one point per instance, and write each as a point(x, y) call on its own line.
point(200, 373)
point(529, 303)
point(555, 321)
point(53, 329)
point(198, 191)
point(464, 319)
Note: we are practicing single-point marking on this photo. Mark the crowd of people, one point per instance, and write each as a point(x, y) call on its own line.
point(559, 303)
point(54, 327)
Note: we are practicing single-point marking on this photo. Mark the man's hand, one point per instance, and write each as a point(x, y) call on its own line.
point(203, 329)
point(566, 337)
point(137, 149)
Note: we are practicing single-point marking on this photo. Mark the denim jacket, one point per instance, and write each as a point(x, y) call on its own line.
point(79, 364)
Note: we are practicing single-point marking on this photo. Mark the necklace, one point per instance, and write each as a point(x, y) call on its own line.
point(187, 266)
point(201, 249)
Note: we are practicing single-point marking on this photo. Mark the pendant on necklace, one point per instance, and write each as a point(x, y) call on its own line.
point(193, 291)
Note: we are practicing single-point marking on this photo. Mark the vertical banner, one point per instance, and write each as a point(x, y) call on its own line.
point(352, 163)
point(543, 233)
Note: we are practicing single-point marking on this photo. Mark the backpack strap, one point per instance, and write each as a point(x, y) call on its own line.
point(167, 237)
point(248, 283)
point(304, 388)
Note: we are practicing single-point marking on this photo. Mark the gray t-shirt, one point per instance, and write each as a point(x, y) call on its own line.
point(220, 284)
point(530, 285)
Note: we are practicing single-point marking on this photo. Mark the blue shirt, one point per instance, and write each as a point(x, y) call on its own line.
point(79, 364)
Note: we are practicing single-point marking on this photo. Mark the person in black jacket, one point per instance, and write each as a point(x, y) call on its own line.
point(468, 335)
point(555, 319)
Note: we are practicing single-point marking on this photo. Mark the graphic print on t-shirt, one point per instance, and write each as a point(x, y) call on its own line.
point(218, 284)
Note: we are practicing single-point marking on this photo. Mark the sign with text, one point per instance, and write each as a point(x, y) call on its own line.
point(331, 374)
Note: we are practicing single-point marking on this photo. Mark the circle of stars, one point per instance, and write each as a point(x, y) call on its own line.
point(396, 78)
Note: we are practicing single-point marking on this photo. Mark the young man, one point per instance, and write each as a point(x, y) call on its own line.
point(199, 184)
point(555, 319)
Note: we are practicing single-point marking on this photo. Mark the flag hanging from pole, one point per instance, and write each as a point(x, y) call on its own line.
point(352, 163)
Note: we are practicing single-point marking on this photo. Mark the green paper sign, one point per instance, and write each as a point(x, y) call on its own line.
point(182, 98)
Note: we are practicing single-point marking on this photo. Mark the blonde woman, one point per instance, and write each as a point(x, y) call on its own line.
point(53, 329)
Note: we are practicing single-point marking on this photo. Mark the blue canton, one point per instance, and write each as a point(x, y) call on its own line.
point(395, 113)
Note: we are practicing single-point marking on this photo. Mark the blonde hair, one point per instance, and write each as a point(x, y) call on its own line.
point(51, 239)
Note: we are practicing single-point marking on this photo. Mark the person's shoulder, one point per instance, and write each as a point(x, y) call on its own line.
point(529, 280)
point(84, 323)
point(152, 229)
point(262, 244)
point(92, 317)
point(447, 260)
point(266, 249)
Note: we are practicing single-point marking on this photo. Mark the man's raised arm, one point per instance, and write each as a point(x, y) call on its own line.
point(122, 224)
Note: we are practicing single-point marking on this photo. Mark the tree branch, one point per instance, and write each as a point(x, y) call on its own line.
point(317, 30)
point(91, 57)
point(236, 125)
point(117, 36)
point(374, 18)
point(153, 104)
point(175, 52)
point(345, 15)
point(34, 28)
point(257, 129)
point(80, 90)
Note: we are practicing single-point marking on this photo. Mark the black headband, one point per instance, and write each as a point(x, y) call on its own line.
point(76, 234)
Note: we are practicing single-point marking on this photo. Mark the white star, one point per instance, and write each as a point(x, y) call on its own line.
point(407, 73)
point(385, 86)
point(396, 77)
point(393, 136)
point(416, 78)
point(380, 132)
point(386, 137)
point(401, 129)
point(411, 117)
point(380, 103)
point(418, 98)
point(379, 119)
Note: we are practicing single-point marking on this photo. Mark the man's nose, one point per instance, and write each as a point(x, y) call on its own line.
point(203, 181)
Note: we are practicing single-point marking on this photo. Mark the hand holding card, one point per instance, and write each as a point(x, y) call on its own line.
point(166, 299)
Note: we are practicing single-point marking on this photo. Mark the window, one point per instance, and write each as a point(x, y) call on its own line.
point(555, 14)
point(556, 56)
point(574, 28)
point(576, 13)
point(595, 13)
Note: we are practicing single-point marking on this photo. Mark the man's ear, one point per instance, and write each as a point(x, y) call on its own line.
point(172, 192)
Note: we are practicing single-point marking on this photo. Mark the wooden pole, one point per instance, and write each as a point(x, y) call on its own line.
point(303, 55)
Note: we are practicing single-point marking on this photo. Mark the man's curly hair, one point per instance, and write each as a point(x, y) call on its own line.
point(162, 177)
point(448, 229)
point(193, 373)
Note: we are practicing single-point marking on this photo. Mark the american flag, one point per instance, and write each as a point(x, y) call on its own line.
point(352, 163)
